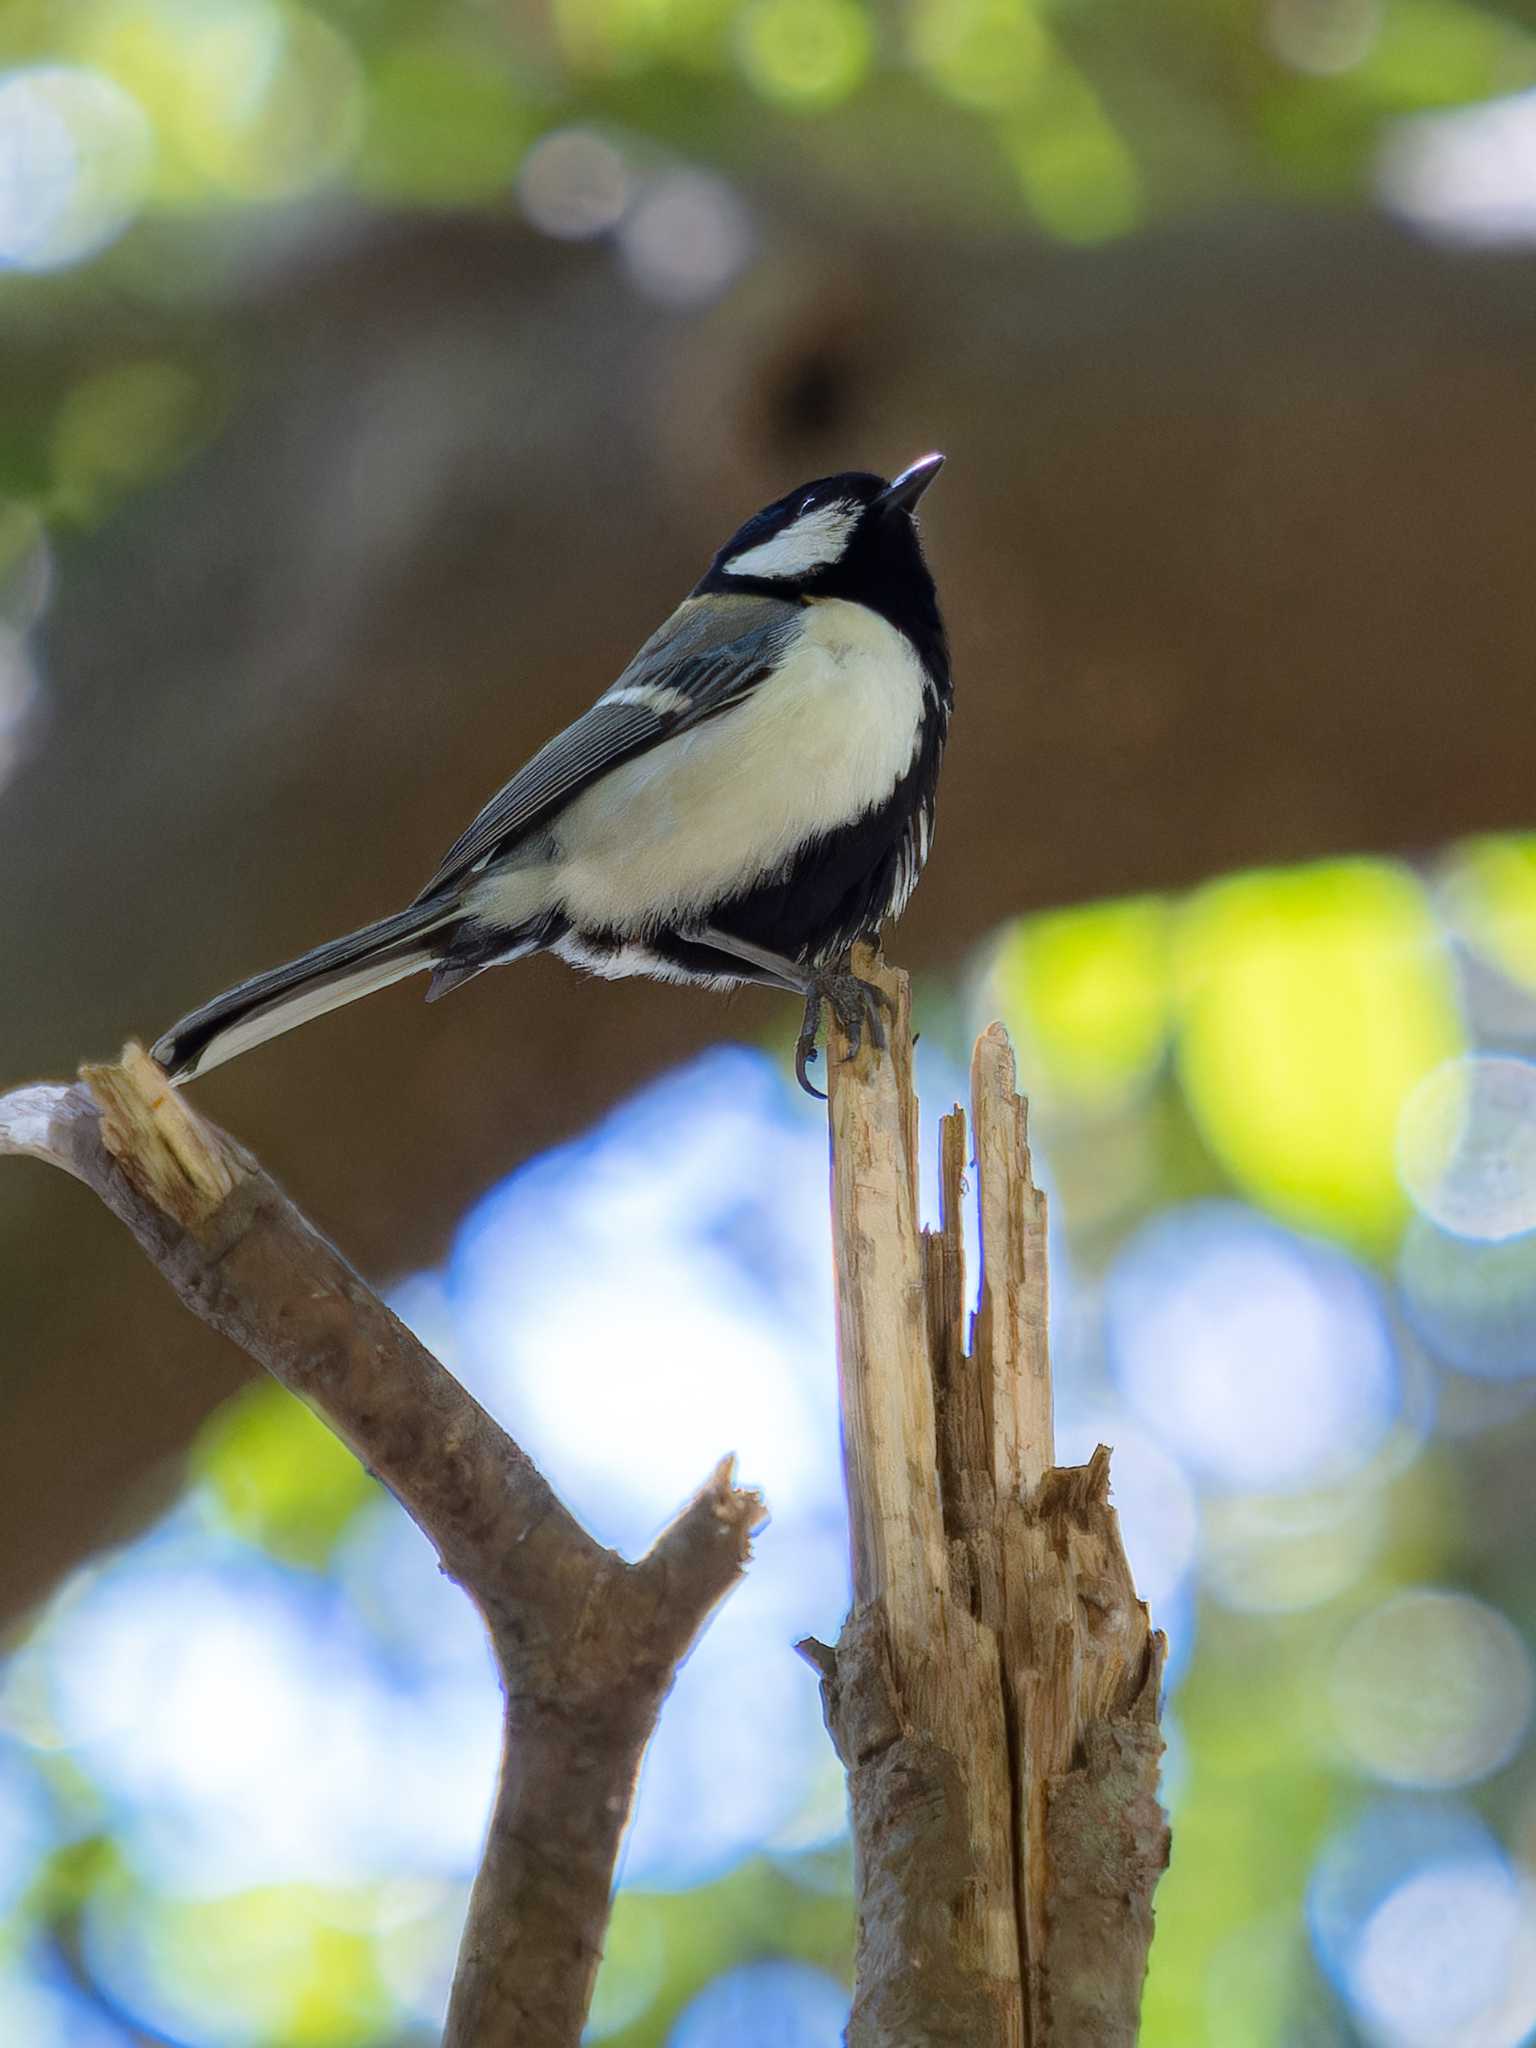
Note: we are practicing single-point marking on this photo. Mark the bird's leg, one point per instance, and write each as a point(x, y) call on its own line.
point(856, 1004)
point(774, 968)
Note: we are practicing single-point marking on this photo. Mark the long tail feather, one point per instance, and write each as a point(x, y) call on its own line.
point(331, 975)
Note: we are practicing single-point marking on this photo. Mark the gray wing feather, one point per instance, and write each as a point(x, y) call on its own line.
point(709, 655)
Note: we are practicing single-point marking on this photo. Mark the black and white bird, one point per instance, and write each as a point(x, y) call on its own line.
point(754, 794)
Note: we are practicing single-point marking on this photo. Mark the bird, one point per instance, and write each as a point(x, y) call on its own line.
point(753, 795)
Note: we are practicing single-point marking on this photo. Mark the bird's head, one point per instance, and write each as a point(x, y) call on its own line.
point(850, 536)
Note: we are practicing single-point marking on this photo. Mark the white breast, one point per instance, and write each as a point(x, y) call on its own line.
point(822, 741)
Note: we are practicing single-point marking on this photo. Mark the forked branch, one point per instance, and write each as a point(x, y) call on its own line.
point(587, 1645)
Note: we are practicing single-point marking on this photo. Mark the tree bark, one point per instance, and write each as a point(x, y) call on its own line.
point(994, 1694)
point(587, 1645)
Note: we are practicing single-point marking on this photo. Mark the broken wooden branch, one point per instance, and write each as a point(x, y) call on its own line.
point(586, 1644)
point(994, 1694)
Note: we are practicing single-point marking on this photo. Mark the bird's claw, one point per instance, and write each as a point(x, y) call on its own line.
point(857, 1006)
point(805, 1048)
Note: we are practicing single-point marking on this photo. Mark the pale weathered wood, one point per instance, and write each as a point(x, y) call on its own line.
point(171, 1154)
point(898, 1538)
point(914, 1692)
point(1011, 1342)
point(994, 1694)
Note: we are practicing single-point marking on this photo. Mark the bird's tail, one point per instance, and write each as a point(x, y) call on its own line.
point(323, 980)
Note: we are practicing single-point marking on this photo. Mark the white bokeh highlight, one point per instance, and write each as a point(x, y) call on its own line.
point(574, 184)
point(76, 152)
point(40, 2008)
point(1362, 1863)
point(1448, 1959)
point(1261, 1359)
point(1423, 1925)
point(635, 1306)
point(1467, 1146)
point(1432, 1688)
point(1282, 1553)
point(688, 236)
point(742, 1737)
point(1471, 1301)
point(765, 2005)
point(240, 1722)
point(28, 1825)
point(1466, 174)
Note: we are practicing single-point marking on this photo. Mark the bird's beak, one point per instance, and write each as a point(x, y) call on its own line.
point(903, 495)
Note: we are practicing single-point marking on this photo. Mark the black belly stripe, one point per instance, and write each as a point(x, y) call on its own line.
point(836, 889)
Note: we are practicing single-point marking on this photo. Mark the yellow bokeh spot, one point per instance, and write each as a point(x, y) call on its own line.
point(1078, 175)
point(985, 53)
point(296, 1963)
point(1087, 992)
point(1311, 1002)
point(619, 35)
point(248, 98)
point(303, 127)
point(806, 53)
point(120, 429)
point(1490, 894)
point(279, 1475)
point(1442, 53)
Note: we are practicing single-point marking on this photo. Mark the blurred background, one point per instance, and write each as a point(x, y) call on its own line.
point(372, 380)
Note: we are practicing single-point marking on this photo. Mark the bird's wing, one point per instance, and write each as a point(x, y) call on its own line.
point(708, 656)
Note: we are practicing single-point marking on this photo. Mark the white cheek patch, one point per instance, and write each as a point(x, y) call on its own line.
point(815, 539)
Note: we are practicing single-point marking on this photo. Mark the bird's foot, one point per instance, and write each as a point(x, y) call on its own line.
point(857, 1005)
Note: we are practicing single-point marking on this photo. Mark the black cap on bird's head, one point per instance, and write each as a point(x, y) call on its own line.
point(852, 536)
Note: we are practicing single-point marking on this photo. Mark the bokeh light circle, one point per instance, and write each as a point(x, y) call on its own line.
point(1423, 1925)
point(1471, 1301)
point(1448, 1959)
point(292, 124)
point(237, 1717)
point(701, 1206)
point(573, 184)
point(769, 2005)
point(806, 53)
point(1362, 1862)
point(41, 2008)
point(26, 1824)
point(1432, 1688)
point(1280, 1553)
point(986, 53)
point(1467, 1146)
point(690, 1229)
point(1465, 173)
point(1260, 1358)
point(686, 238)
point(742, 1739)
point(75, 157)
